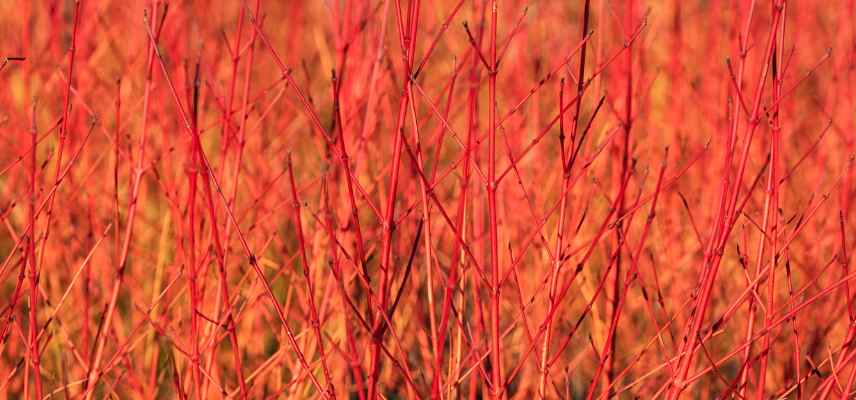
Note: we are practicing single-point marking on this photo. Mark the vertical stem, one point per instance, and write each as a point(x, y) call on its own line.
point(625, 158)
point(34, 272)
point(313, 311)
point(771, 206)
point(33, 343)
point(193, 266)
point(566, 173)
point(750, 328)
point(408, 42)
point(225, 297)
point(495, 334)
point(712, 257)
point(452, 278)
point(63, 133)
